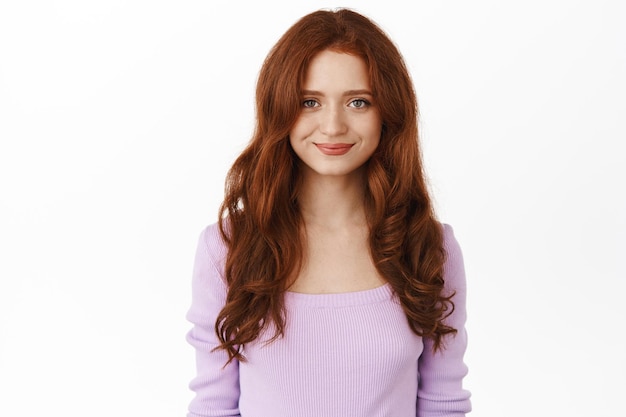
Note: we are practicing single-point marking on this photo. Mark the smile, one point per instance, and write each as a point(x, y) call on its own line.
point(334, 148)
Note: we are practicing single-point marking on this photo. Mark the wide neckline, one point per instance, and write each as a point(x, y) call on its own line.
point(340, 299)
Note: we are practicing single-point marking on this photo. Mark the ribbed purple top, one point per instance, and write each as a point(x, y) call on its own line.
point(346, 299)
point(347, 354)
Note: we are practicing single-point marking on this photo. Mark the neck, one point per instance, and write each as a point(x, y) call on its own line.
point(332, 201)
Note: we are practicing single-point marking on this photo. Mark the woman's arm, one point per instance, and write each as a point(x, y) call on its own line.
point(440, 387)
point(216, 386)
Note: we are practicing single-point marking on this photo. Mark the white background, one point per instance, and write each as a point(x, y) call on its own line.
point(119, 119)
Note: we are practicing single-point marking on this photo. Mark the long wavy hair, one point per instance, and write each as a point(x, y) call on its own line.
point(260, 220)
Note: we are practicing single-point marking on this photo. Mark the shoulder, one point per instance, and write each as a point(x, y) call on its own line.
point(212, 236)
point(450, 243)
point(212, 246)
point(208, 285)
point(454, 270)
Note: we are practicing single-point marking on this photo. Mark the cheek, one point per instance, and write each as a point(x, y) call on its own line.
point(375, 130)
point(374, 135)
point(298, 130)
point(374, 144)
point(375, 126)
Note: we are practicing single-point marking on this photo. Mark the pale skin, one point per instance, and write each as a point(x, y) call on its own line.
point(336, 133)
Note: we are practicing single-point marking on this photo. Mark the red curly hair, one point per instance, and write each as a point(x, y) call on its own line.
point(260, 219)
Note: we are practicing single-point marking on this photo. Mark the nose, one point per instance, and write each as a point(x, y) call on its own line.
point(332, 121)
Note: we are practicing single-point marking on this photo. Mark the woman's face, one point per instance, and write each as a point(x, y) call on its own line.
point(339, 125)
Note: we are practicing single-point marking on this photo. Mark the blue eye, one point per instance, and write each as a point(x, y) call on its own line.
point(309, 103)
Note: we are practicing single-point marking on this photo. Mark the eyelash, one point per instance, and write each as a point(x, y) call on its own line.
point(310, 103)
point(364, 102)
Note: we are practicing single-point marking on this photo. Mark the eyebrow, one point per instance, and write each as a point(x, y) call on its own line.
point(345, 93)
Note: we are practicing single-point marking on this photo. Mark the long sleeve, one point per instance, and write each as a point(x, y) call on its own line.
point(216, 387)
point(440, 388)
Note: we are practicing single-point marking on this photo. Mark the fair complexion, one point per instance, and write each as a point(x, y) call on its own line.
point(337, 131)
point(339, 124)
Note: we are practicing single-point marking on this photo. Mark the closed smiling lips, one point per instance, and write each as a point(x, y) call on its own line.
point(334, 148)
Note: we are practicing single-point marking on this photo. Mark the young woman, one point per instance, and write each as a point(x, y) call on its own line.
point(328, 288)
